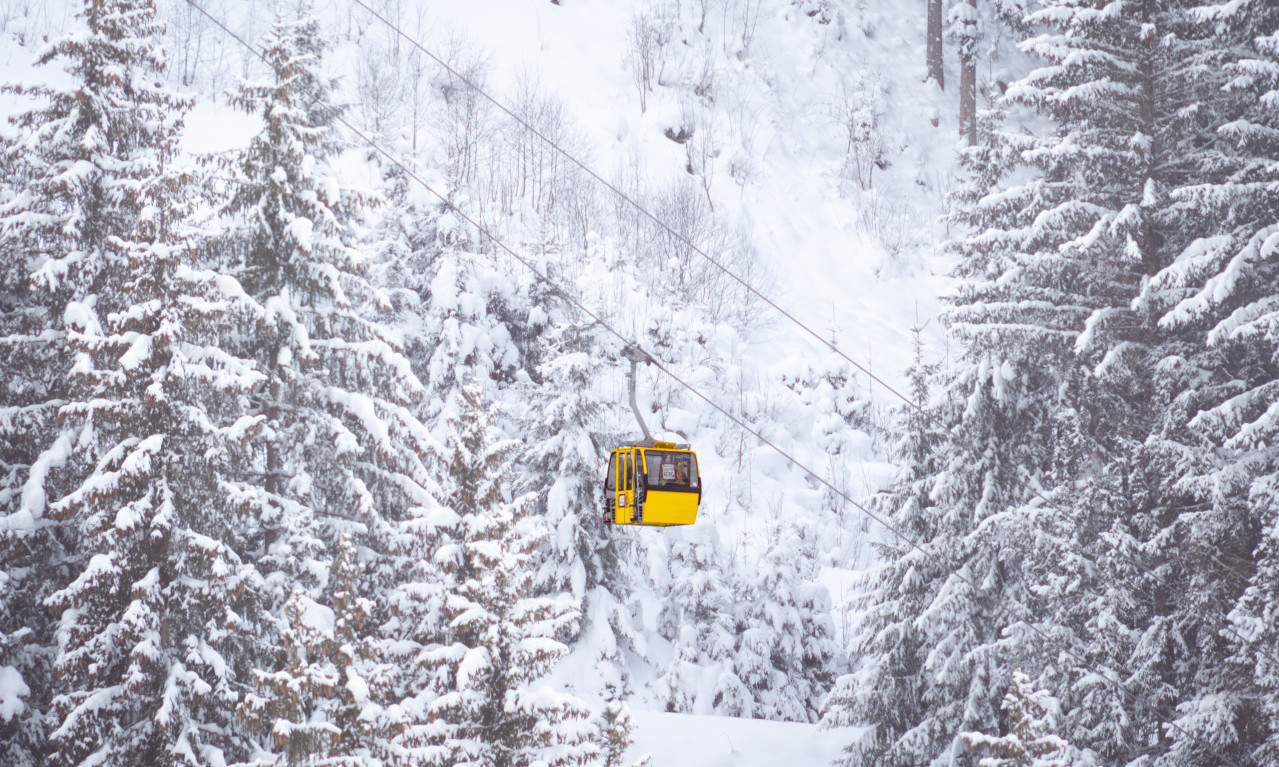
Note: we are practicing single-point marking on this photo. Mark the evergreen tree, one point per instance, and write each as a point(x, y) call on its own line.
point(160, 604)
point(613, 727)
point(317, 707)
point(561, 460)
point(1058, 390)
point(500, 639)
point(786, 655)
point(887, 688)
point(1143, 592)
point(334, 444)
point(74, 165)
point(1030, 741)
point(582, 555)
point(465, 335)
point(699, 618)
point(1216, 298)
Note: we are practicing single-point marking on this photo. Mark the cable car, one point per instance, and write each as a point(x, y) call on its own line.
point(655, 485)
point(648, 482)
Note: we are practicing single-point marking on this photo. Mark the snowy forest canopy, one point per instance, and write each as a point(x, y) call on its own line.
point(297, 468)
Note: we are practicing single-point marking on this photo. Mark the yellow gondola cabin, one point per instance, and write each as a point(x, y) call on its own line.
point(655, 485)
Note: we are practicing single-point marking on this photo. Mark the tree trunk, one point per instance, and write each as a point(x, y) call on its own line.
point(934, 57)
point(968, 77)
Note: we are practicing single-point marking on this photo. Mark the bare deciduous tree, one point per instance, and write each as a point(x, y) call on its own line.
point(416, 81)
point(464, 117)
point(676, 268)
point(380, 91)
point(746, 14)
point(858, 113)
point(645, 39)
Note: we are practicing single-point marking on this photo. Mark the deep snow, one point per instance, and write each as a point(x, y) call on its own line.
point(861, 267)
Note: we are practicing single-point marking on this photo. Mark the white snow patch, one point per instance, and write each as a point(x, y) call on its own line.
point(717, 741)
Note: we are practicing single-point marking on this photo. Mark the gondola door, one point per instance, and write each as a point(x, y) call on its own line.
point(623, 493)
point(621, 486)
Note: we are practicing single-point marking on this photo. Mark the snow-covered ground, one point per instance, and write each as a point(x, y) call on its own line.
point(678, 740)
point(778, 104)
point(857, 265)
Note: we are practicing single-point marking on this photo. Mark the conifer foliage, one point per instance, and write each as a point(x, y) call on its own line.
point(333, 442)
point(1030, 741)
point(158, 594)
point(499, 640)
point(1090, 502)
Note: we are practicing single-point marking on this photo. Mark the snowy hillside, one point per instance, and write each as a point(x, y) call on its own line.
point(318, 321)
point(726, 742)
point(786, 144)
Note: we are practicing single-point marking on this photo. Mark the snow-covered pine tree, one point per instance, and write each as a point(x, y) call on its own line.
point(614, 727)
point(1049, 276)
point(65, 196)
point(786, 655)
point(582, 556)
point(157, 602)
point(889, 689)
point(1030, 740)
point(1144, 137)
point(290, 702)
point(562, 458)
point(316, 708)
point(1061, 385)
point(699, 618)
point(465, 335)
point(334, 445)
point(1217, 297)
point(414, 585)
point(500, 640)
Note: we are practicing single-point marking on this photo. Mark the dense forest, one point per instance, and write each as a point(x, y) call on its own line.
point(301, 435)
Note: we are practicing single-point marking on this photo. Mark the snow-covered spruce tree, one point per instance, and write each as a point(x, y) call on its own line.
point(1049, 274)
point(415, 587)
point(699, 618)
point(316, 708)
point(156, 603)
point(582, 555)
point(333, 443)
point(43, 213)
point(1218, 296)
point(562, 457)
point(467, 331)
point(786, 657)
point(1055, 389)
point(500, 640)
point(1030, 740)
point(1127, 159)
point(614, 726)
point(889, 689)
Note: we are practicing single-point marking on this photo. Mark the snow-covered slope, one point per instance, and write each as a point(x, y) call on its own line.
point(717, 741)
point(813, 136)
point(857, 265)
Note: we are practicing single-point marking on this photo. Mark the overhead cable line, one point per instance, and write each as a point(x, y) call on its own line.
point(596, 318)
point(932, 417)
point(563, 293)
point(631, 201)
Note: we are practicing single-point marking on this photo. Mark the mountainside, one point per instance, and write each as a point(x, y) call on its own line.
point(783, 144)
point(320, 319)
